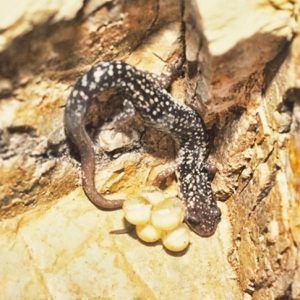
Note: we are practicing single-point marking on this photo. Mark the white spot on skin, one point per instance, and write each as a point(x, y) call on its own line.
point(84, 81)
point(83, 95)
point(110, 72)
point(98, 73)
point(92, 86)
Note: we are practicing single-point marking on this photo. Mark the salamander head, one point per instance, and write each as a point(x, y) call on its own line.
point(202, 212)
point(203, 220)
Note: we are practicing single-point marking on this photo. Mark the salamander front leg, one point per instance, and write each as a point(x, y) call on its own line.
point(163, 175)
point(170, 73)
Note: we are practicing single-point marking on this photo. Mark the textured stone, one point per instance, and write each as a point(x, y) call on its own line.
point(55, 244)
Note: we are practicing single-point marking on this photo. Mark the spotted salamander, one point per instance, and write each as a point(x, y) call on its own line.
point(143, 92)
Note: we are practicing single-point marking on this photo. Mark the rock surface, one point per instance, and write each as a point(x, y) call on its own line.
point(241, 66)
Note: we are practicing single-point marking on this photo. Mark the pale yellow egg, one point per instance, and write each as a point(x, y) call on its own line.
point(137, 211)
point(177, 239)
point(168, 214)
point(148, 233)
point(154, 196)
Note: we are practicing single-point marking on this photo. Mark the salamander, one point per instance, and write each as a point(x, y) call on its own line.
point(145, 94)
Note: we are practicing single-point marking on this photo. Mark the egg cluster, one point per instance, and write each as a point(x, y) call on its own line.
point(158, 218)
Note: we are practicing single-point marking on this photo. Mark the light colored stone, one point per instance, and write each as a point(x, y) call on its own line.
point(21, 16)
point(249, 17)
point(55, 244)
point(64, 250)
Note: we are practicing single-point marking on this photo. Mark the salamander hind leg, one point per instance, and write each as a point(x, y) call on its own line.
point(163, 175)
point(126, 115)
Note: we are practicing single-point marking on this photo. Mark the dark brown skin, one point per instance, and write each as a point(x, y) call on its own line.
point(143, 94)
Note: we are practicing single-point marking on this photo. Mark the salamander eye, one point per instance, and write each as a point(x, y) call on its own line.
point(216, 212)
point(192, 219)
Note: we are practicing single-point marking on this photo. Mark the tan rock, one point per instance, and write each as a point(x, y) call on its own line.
point(242, 63)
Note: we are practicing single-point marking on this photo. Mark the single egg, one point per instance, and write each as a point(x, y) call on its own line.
point(137, 211)
point(148, 233)
point(177, 239)
point(153, 196)
point(168, 214)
